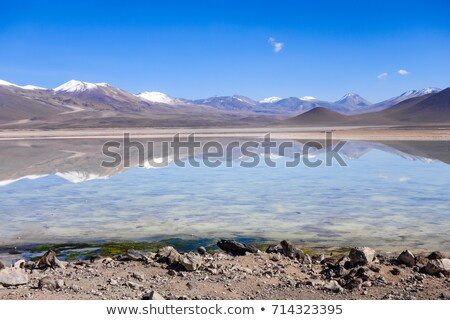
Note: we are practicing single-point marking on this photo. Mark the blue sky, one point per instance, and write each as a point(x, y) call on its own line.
point(197, 49)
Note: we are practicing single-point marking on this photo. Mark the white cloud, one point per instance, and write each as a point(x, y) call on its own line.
point(383, 76)
point(403, 179)
point(277, 46)
point(403, 72)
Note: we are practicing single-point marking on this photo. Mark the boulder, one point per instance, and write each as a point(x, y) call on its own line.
point(168, 255)
point(49, 260)
point(19, 264)
point(291, 251)
point(361, 255)
point(50, 283)
point(274, 248)
point(435, 267)
point(191, 261)
point(2, 266)
point(153, 296)
point(435, 255)
point(236, 248)
point(407, 258)
point(13, 277)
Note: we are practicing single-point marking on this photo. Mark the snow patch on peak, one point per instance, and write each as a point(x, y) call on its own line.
point(31, 87)
point(27, 87)
point(270, 100)
point(74, 86)
point(6, 83)
point(308, 98)
point(157, 97)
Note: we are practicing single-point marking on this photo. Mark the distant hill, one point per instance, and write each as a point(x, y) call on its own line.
point(320, 117)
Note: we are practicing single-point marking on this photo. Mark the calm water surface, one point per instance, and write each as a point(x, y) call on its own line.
point(391, 196)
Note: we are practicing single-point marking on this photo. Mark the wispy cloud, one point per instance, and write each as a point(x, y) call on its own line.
point(277, 46)
point(403, 72)
point(383, 76)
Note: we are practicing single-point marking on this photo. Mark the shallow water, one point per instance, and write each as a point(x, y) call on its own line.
point(390, 196)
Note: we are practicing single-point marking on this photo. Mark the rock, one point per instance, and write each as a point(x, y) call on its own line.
point(19, 264)
point(2, 266)
point(113, 282)
point(153, 296)
point(138, 276)
point(201, 250)
point(139, 255)
point(407, 258)
point(13, 277)
point(356, 283)
point(291, 251)
point(314, 283)
point(307, 259)
point(333, 286)
point(361, 255)
point(135, 255)
point(168, 255)
point(191, 261)
point(191, 285)
point(60, 283)
point(133, 285)
point(236, 248)
point(275, 257)
point(47, 283)
point(49, 260)
point(395, 271)
point(435, 255)
point(274, 248)
point(435, 267)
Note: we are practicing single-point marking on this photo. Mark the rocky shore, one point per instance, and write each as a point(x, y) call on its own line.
point(236, 271)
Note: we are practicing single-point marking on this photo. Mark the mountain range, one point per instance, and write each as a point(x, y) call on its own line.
point(428, 109)
point(83, 104)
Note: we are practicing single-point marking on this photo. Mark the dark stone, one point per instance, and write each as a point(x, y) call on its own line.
point(407, 258)
point(435, 255)
point(236, 248)
point(361, 255)
point(201, 250)
point(49, 260)
point(291, 251)
point(2, 266)
point(395, 271)
point(274, 248)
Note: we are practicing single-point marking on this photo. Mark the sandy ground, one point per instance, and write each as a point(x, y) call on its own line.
point(343, 133)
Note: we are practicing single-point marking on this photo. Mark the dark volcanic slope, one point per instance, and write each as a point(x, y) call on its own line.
point(434, 108)
point(319, 116)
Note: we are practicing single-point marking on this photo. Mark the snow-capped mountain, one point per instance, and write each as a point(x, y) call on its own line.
point(270, 100)
point(27, 87)
point(74, 86)
point(353, 100)
point(404, 96)
point(157, 97)
point(414, 93)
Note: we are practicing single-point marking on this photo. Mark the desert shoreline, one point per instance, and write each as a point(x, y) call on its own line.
point(236, 271)
point(346, 133)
